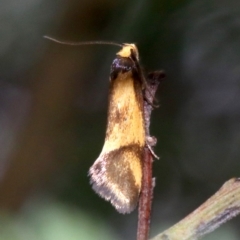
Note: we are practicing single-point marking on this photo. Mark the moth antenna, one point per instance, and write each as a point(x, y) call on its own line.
point(83, 43)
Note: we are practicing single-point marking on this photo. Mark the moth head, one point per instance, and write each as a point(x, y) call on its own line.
point(129, 50)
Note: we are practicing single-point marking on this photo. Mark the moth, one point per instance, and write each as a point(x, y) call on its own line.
point(116, 175)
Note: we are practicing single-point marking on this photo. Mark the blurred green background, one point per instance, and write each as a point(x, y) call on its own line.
point(53, 109)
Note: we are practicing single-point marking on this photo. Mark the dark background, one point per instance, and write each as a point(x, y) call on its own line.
point(53, 106)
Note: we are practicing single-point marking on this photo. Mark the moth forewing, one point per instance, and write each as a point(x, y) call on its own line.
point(117, 173)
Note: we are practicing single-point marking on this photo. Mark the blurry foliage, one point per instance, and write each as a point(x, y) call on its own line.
point(48, 220)
point(53, 104)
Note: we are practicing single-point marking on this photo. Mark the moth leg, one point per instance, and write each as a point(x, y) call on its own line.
point(151, 142)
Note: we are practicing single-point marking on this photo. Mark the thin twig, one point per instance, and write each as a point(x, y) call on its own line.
point(145, 200)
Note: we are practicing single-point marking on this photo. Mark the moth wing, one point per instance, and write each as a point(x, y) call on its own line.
point(117, 179)
point(117, 173)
